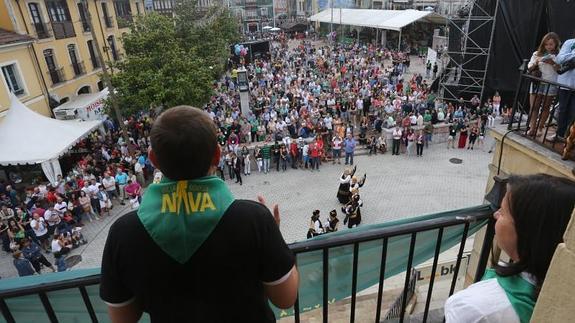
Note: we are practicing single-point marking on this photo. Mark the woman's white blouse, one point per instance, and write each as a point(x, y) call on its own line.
point(482, 302)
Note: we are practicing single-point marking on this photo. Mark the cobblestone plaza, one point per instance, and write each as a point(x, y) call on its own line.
point(396, 187)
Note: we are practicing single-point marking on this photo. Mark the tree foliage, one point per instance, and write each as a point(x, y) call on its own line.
point(173, 61)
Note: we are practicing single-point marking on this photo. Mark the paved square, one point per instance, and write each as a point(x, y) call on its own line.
point(396, 187)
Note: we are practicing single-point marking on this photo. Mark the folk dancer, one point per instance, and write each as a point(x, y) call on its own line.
point(343, 193)
point(315, 226)
point(352, 211)
point(332, 224)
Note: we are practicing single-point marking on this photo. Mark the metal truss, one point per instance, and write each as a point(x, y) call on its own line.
point(459, 79)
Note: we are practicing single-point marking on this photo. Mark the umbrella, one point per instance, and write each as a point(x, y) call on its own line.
point(275, 29)
point(267, 28)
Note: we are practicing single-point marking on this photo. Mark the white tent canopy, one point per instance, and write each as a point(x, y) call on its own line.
point(27, 137)
point(380, 19)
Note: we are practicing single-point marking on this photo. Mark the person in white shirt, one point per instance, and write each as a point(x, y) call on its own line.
point(396, 136)
point(52, 219)
point(38, 225)
point(109, 185)
point(336, 144)
point(533, 217)
point(61, 206)
point(139, 171)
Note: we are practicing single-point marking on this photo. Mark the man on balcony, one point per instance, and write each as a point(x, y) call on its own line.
point(566, 97)
point(192, 253)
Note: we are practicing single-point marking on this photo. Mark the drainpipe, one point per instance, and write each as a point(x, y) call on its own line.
point(101, 28)
point(36, 62)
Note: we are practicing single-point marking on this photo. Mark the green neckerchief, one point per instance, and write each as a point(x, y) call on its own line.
point(181, 215)
point(519, 292)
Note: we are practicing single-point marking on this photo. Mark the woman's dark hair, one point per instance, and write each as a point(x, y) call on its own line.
point(541, 207)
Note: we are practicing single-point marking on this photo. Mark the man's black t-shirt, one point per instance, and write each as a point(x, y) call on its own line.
point(222, 282)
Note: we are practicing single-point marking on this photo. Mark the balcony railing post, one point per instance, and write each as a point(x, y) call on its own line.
point(325, 268)
point(381, 279)
point(522, 70)
point(6, 312)
point(407, 276)
point(433, 270)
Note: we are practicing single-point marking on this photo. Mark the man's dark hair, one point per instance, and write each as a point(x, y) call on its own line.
point(184, 141)
point(541, 207)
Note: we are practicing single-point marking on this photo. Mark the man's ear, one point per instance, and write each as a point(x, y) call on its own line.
point(152, 157)
point(217, 154)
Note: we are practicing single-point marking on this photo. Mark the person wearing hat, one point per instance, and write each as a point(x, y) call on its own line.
point(315, 226)
point(332, 224)
point(23, 265)
point(191, 241)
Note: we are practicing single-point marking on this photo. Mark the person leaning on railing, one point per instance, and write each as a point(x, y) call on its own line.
point(193, 253)
point(566, 97)
point(530, 224)
point(542, 94)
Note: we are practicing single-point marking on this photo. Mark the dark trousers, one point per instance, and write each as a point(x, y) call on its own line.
point(566, 100)
point(95, 205)
point(238, 173)
point(40, 260)
point(395, 147)
point(419, 149)
point(231, 171)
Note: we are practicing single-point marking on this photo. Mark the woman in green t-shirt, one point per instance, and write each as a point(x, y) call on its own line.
point(530, 224)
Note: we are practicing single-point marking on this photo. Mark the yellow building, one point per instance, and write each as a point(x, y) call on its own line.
point(20, 74)
point(56, 57)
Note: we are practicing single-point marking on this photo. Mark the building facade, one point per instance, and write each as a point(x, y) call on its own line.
point(61, 50)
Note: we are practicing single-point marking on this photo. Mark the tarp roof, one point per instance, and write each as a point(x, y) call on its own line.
point(84, 100)
point(381, 19)
point(27, 137)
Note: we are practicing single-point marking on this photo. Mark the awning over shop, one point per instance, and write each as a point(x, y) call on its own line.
point(380, 19)
point(27, 137)
point(89, 106)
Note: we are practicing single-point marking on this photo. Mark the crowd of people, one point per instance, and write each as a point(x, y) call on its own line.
point(48, 218)
point(314, 103)
point(311, 104)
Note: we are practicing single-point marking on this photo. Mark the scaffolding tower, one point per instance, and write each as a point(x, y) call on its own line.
point(470, 36)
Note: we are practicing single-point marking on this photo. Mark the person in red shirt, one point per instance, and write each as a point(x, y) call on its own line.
point(294, 154)
point(51, 196)
point(314, 153)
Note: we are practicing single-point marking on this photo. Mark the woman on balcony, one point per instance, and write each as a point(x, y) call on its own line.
point(530, 224)
point(542, 94)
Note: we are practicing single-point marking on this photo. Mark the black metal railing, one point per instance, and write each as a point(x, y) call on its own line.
point(56, 75)
point(534, 113)
point(85, 26)
point(412, 229)
point(398, 308)
point(42, 30)
point(109, 21)
point(63, 29)
point(78, 68)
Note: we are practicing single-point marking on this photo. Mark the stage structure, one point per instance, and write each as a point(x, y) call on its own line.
point(470, 38)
